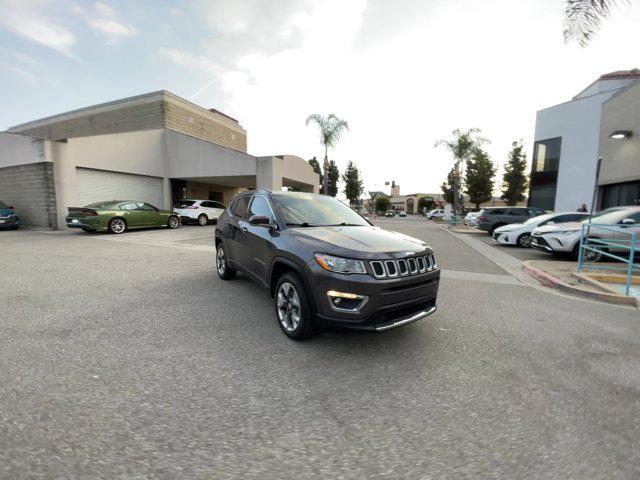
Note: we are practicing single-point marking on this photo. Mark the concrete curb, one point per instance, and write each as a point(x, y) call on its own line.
point(554, 282)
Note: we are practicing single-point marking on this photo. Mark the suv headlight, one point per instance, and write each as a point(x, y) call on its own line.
point(340, 264)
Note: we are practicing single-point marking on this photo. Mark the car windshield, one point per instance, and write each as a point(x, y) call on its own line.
point(309, 210)
point(538, 219)
point(106, 205)
point(3, 205)
point(611, 218)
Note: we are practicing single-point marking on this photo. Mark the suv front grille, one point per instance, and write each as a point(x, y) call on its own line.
point(403, 267)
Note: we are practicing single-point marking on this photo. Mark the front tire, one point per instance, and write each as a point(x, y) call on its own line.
point(293, 309)
point(225, 272)
point(524, 240)
point(202, 220)
point(174, 222)
point(117, 226)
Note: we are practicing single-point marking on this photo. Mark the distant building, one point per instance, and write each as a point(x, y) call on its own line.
point(156, 148)
point(570, 137)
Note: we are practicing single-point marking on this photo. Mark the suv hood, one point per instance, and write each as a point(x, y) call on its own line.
point(559, 227)
point(358, 242)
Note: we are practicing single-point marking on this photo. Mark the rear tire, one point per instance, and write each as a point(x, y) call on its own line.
point(117, 226)
point(293, 308)
point(225, 272)
point(202, 220)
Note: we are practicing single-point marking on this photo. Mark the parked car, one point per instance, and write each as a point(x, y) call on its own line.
point(495, 217)
point(324, 264)
point(435, 213)
point(471, 219)
point(402, 214)
point(200, 212)
point(118, 216)
point(8, 217)
point(520, 233)
point(390, 214)
point(564, 238)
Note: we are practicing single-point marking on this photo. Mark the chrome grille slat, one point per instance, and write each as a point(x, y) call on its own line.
point(403, 267)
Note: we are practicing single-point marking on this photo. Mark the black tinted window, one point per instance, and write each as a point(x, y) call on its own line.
point(184, 203)
point(218, 205)
point(239, 208)
point(495, 212)
point(260, 206)
point(207, 205)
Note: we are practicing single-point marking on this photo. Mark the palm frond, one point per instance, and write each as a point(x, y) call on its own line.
point(584, 17)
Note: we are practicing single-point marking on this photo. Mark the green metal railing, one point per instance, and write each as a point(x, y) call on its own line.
point(598, 241)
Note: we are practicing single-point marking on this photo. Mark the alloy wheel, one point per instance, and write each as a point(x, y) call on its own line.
point(173, 222)
point(288, 303)
point(118, 225)
point(221, 262)
point(202, 220)
point(524, 240)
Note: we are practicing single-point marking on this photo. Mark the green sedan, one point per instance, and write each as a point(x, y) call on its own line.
point(119, 216)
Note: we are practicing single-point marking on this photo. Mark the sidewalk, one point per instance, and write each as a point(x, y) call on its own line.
point(563, 276)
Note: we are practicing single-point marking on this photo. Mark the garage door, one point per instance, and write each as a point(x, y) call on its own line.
point(102, 185)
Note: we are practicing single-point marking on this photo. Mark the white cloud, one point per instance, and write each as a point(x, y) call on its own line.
point(104, 20)
point(24, 19)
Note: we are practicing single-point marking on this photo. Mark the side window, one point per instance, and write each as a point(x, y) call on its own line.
point(635, 216)
point(260, 206)
point(128, 206)
point(496, 212)
point(145, 207)
point(239, 208)
point(207, 204)
point(218, 205)
point(518, 211)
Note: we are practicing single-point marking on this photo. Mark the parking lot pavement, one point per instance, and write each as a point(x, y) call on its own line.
point(520, 253)
point(128, 358)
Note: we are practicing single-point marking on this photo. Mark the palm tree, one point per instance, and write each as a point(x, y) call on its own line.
point(461, 145)
point(331, 128)
point(583, 18)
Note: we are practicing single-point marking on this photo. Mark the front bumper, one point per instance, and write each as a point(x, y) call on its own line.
point(387, 303)
point(9, 222)
point(504, 238)
point(551, 243)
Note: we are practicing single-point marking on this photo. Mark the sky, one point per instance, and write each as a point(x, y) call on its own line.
point(403, 73)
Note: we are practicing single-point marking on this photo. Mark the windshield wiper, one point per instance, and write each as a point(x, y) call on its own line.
point(344, 224)
point(303, 224)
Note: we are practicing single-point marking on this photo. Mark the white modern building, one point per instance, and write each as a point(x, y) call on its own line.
point(567, 144)
point(156, 148)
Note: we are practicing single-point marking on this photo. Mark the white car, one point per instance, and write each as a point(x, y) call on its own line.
point(471, 219)
point(402, 214)
point(564, 238)
point(520, 233)
point(199, 211)
point(435, 213)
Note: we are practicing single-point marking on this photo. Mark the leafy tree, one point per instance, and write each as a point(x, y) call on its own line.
point(424, 202)
point(353, 185)
point(316, 168)
point(334, 175)
point(584, 17)
point(514, 180)
point(331, 128)
point(479, 177)
point(382, 204)
point(448, 187)
point(461, 145)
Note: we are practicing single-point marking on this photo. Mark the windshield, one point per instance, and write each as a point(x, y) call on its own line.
point(611, 218)
point(538, 219)
point(309, 210)
point(3, 205)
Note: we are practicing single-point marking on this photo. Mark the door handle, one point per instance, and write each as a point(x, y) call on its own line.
point(244, 229)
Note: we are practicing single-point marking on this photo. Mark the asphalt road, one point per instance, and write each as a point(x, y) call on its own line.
point(126, 357)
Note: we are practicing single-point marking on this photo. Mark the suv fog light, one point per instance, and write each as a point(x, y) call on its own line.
point(345, 301)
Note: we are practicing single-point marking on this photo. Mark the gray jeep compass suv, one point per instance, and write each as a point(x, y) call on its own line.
point(324, 264)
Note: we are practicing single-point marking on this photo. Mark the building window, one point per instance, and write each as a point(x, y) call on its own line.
point(546, 155)
point(620, 194)
point(544, 173)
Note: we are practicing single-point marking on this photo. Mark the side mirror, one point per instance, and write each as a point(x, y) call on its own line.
point(628, 221)
point(259, 221)
point(10, 208)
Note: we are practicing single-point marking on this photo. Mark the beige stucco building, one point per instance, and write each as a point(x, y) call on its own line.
point(156, 148)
